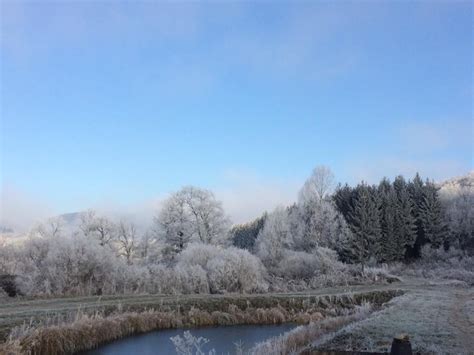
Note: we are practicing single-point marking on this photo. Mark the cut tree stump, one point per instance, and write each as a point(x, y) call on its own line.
point(401, 345)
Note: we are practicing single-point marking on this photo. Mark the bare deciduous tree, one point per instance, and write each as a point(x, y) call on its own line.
point(100, 228)
point(318, 186)
point(53, 227)
point(127, 240)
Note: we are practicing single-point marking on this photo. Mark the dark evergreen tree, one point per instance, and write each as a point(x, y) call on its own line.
point(405, 219)
point(416, 191)
point(392, 221)
point(384, 186)
point(244, 235)
point(391, 248)
point(344, 197)
point(365, 224)
point(431, 214)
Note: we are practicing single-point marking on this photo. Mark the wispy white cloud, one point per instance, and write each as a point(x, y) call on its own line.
point(246, 194)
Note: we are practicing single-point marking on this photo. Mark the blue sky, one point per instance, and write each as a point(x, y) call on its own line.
point(117, 103)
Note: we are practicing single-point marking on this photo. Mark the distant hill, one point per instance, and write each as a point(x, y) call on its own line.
point(70, 222)
point(457, 185)
point(72, 218)
point(5, 230)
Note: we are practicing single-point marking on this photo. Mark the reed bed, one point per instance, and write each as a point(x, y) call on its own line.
point(296, 340)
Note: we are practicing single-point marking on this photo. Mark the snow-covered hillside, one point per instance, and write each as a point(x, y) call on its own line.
point(457, 185)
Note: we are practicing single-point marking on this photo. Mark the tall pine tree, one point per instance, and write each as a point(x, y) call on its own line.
point(391, 249)
point(416, 191)
point(365, 224)
point(344, 200)
point(405, 220)
point(432, 217)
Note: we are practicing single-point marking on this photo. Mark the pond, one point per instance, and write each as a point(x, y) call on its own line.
point(221, 339)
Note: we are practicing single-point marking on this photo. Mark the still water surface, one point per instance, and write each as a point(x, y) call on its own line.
point(221, 338)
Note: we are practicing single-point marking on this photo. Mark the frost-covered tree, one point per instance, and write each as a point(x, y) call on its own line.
point(98, 227)
point(316, 224)
point(147, 248)
point(210, 224)
point(460, 216)
point(315, 219)
point(318, 186)
point(8, 257)
point(192, 214)
point(173, 224)
point(275, 237)
point(53, 227)
point(127, 240)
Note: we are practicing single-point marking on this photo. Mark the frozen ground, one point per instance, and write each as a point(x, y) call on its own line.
point(437, 317)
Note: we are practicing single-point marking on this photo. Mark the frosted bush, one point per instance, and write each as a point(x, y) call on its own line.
point(199, 254)
point(69, 265)
point(163, 280)
point(228, 269)
point(328, 261)
point(297, 265)
point(180, 279)
point(302, 265)
point(192, 279)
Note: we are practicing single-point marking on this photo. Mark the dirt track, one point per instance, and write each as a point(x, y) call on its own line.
point(439, 318)
point(461, 317)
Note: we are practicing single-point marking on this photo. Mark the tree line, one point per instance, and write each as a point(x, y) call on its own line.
point(391, 221)
point(192, 246)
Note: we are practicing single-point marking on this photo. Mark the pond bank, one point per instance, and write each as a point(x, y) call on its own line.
point(89, 331)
